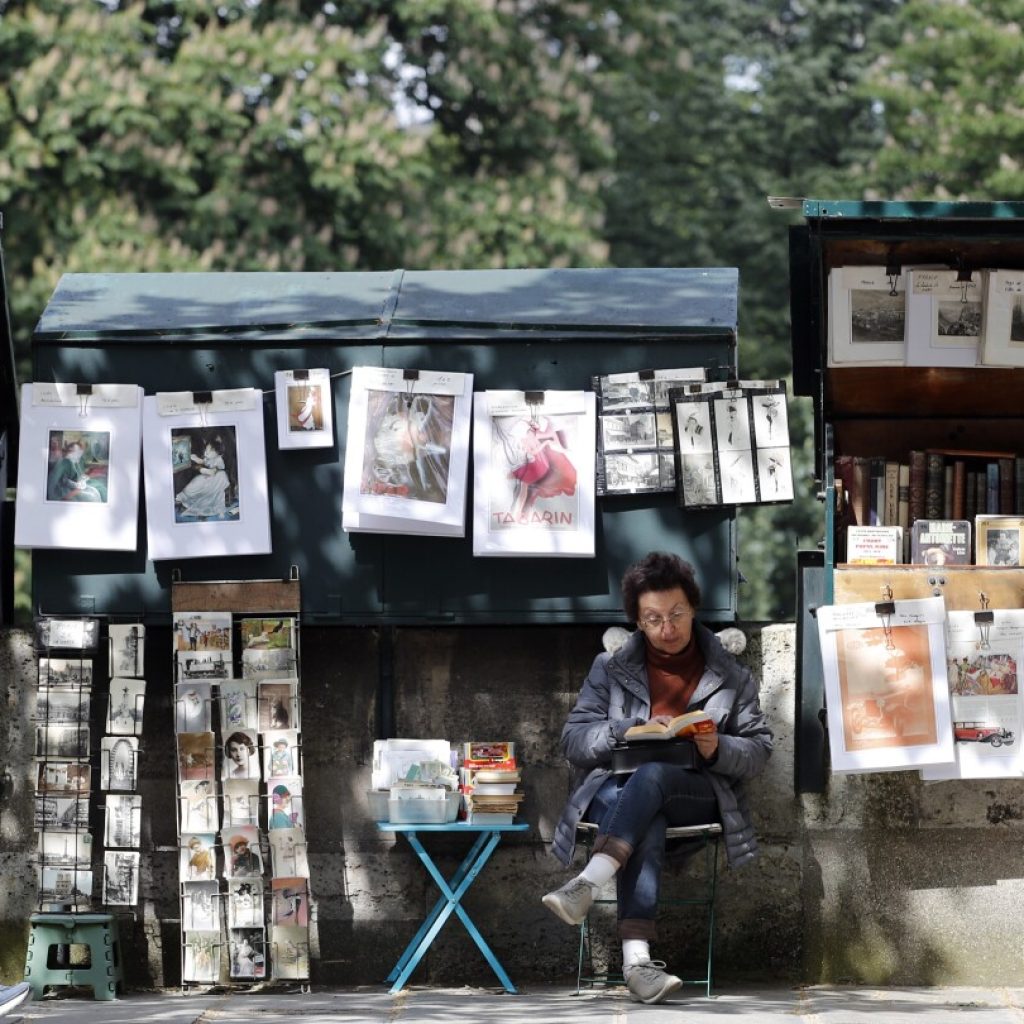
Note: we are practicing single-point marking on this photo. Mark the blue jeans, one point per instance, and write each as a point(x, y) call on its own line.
point(632, 813)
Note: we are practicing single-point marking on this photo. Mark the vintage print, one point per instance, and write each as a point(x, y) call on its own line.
point(667, 466)
point(66, 673)
point(876, 315)
point(120, 878)
point(204, 464)
point(197, 858)
point(697, 481)
point(195, 756)
point(663, 427)
point(202, 957)
point(127, 650)
point(198, 806)
point(241, 802)
point(736, 469)
point(774, 474)
point(626, 394)
point(629, 472)
point(305, 407)
point(123, 824)
point(65, 849)
point(212, 665)
point(278, 705)
point(62, 741)
point(61, 812)
point(998, 540)
point(304, 414)
point(284, 805)
point(732, 424)
point(62, 707)
point(267, 634)
point(289, 902)
point(193, 707)
point(280, 754)
point(127, 701)
point(63, 778)
point(625, 431)
point(242, 853)
point(119, 762)
point(290, 957)
point(200, 906)
point(693, 423)
point(70, 886)
point(288, 856)
point(241, 755)
point(272, 663)
point(245, 903)
point(771, 421)
point(202, 631)
point(867, 315)
point(78, 465)
point(407, 446)
point(68, 634)
point(238, 707)
point(247, 948)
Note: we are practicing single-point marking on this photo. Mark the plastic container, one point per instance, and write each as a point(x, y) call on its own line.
point(418, 812)
point(377, 802)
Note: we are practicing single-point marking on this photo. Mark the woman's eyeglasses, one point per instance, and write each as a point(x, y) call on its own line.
point(675, 618)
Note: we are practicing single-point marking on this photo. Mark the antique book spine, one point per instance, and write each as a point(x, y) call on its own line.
point(1018, 489)
point(947, 490)
point(877, 491)
point(971, 495)
point(992, 488)
point(903, 507)
point(891, 515)
point(860, 497)
point(917, 485)
point(981, 484)
point(934, 485)
point(959, 510)
point(1007, 490)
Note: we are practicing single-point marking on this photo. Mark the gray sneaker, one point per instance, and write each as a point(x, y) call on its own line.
point(13, 996)
point(572, 901)
point(648, 982)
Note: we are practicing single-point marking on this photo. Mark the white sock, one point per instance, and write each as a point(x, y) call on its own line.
point(600, 869)
point(634, 951)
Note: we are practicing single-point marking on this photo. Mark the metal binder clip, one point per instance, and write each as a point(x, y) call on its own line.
point(645, 375)
point(84, 392)
point(300, 374)
point(410, 377)
point(885, 610)
point(892, 272)
point(533, 400)
point(202, 399)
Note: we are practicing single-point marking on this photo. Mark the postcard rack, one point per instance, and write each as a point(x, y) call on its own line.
point(69, 698)
point(242, 862)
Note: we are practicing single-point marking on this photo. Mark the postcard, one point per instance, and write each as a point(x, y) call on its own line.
point(195, 756)
point(238, 709)
point(284, 804)
point(290, 955)
point(65, 849)
point(119, 762)
point(304, 413)
point(278, 705)
point(200, 906)
point(121, 878)
point(267, 634)
point(62, 741)
point(202, 631)
point(241, 802)
point(70, 886)
point(245, 903)
point(198, 665)
point(281, 754)
point(63, 778)
point(202, 957)
point(247, 948)
point(66, 673)
point(123, 821)
point(289, 901)
point(61, 812)
point(62, 707)
point(127, 650)
point(197, 857)
point(241, 755)
point(193, 707)
point(242, 857)
point(272, 663)
point(69, 634)
point(127, 702)
point(288, 855)
point(197, 805)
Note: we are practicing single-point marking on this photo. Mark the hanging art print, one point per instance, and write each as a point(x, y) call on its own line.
point(533, 458)
point(78, 473)
point(408, 452)
point(206, 476)
point(304, 414)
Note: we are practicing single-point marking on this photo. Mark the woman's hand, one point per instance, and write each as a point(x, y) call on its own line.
point(707, 744)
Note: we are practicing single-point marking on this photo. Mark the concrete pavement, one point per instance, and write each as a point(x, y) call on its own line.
point(533, 1005)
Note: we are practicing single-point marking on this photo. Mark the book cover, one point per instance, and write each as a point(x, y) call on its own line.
point(1007, 490)
point(891, 515)
point(917, 484)
point(941, 542)
point(681, 726)
point(934, 485)
point(874, 545)
point(997, 540)
point(959, 506)
point(877, 492)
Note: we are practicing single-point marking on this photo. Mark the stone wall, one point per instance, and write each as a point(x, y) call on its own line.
point(882, 879)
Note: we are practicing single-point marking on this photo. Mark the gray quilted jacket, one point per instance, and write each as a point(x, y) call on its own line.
point(616, 695)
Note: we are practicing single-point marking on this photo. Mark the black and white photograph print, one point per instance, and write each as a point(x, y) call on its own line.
point(198, 806)
point(697, 481)
point(202, 957)
point(197, 857)
point(693, 423)
point(278, 705)
point(957, 319)
point(127, 700)
point(200, 906)
point(70, 886)
point(211, 665)
point(61, 707)
point(66, 673)
point(274, 663)
point(65, 849)
point(241, 802)
point(1017, 319)
point(78, 465)
point(241, 755)
point(61, 812)
point(62, 741)
point(736, 469)
point(732, 423)
point(193, 707)
point(119, 762)
point(663, 423)
point(626, 394)
point(247, 948)
point(127, 649)
point(625, 431)
point(774, 474)
point(204, 464)
point(63, 778)
point(67, 634)
point(197, 632)
point(245, 903)
point(667, 468)
point(876, 315)
point(1002, 546)
point(289, 952)
point(120, 878)
point(123, 824)
point(238, 707)
point(630, 472)
point(771, 423)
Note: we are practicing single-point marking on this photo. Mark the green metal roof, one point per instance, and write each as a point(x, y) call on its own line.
point(398, 305)
point(890, 209)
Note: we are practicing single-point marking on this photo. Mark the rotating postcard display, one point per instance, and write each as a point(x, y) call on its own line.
point(733, 444)
point(206, 474)
point(533, 459)
point(78, 472)
point(305, 415)
point(408, 452)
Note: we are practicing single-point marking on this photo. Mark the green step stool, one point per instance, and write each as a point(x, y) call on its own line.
point(97, 931)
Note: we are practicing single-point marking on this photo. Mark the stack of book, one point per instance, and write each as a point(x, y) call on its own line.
point(488, 778)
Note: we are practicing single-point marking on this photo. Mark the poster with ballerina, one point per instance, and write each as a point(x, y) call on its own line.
point(305, 415)
point(408, 452)
point(78, 471)
point(533, 461)
point(206, 474)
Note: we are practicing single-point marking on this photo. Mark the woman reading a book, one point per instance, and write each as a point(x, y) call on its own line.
point(671, 665)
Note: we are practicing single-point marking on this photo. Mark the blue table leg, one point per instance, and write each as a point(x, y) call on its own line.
point(450, 902)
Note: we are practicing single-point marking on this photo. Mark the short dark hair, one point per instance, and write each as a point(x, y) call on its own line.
point(657, 571)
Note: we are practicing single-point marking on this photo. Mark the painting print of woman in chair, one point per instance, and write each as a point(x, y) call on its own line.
point(79, 461)
point(205, 466)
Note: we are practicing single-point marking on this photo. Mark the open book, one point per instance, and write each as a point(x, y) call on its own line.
point(682, 726)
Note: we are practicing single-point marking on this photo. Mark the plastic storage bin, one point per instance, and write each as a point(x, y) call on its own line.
point(377, 803)
point(424, 812)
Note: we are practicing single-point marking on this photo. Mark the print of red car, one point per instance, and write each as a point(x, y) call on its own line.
point(982, 732)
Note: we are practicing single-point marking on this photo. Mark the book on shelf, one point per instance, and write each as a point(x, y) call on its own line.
point(941, 542)
point(489, 754)
point(891, 513)
point(997, 540)
point(1007, 489)
point(874, 545)
point(916, 460)
point(682, 726)
point(860, 496)
point(934, 485)
point(877, 492)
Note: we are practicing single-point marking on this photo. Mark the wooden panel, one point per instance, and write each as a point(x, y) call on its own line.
point(894, 437)
point(241, 596)
point(963, 587)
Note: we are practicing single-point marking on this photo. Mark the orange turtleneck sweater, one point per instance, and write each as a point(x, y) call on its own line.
point(673, 678)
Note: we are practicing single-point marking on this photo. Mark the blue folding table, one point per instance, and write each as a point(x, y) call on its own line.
point(487, 838)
